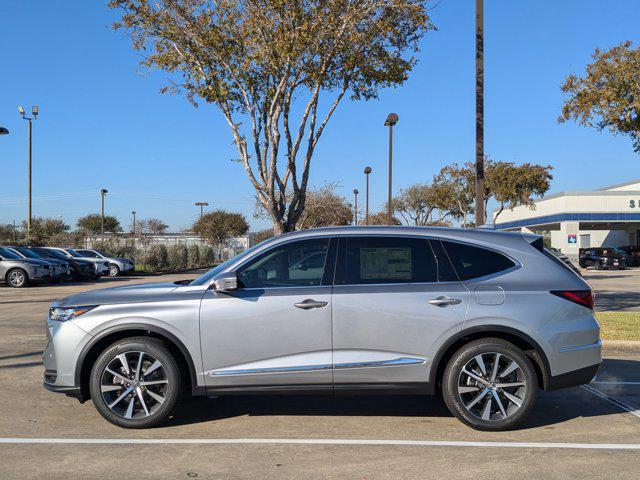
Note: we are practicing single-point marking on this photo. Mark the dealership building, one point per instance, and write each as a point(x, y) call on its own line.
point(607, 217)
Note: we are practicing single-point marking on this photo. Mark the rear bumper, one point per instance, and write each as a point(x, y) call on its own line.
point(573, 378)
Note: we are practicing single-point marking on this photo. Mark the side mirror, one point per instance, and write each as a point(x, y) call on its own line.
point(225, 282)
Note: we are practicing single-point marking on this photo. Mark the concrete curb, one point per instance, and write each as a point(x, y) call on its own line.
point(625, 345)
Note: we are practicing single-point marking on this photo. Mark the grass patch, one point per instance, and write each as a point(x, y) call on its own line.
point(619, 325)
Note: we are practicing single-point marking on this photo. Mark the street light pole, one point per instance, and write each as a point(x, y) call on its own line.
point(201, 205)
point(34, 112)
point(480, 214)
point(103, 192)
point(367, 171)
point(355, 208)
point(133, 212)
point(392, 119)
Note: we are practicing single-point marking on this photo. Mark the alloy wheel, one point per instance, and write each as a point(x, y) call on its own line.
point(17, 278)
point(492, 386)
point(113, 270)
point(134, 385)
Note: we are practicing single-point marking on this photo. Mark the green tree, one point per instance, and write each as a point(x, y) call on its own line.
point(423, 204)
point(153, 226)
point(264, 63)
point(92, 223)
point(157, 257)
point(454, 183)
point(219, 226)
point(261, 235)
point(43, 229)
point(380, 218)
point(193, 256)
point(207, 256)
point(6, 233)
point(608, 96)
point(325, 208)
point(178, 257)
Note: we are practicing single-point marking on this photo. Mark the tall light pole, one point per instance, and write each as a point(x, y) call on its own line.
point(391, 120)
point(133, 229)
point(201, 205)
point(479, 113)
point(103, 192)
point(367, 171)
point(34, 112)
point(355, 206)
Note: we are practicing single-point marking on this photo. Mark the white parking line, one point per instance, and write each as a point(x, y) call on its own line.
point(612, 400)
point(315, 441)
point(615, 383)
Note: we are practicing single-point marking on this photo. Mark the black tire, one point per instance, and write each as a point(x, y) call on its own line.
point(454, 371)
point(172, 394)
point(114, 270)
point(17, 278)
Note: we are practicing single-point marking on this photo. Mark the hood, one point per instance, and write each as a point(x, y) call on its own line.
point(127, 294)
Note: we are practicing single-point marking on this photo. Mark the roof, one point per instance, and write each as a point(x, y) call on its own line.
point(618, 185)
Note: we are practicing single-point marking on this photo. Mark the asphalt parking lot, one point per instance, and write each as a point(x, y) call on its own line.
point(616, 290)
point(591, 432)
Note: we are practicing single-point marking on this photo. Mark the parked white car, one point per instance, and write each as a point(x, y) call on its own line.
point(117, 265)
point(101, 266)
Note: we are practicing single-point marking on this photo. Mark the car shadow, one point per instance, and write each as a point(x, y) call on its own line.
point(551, 408)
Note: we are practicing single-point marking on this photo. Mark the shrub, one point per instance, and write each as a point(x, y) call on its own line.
point(177, 257)
point(207, 256)
point(193, 256)
point(157, 258)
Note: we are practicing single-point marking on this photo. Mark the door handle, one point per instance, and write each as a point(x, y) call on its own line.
point(444, 301)
point(310, 304)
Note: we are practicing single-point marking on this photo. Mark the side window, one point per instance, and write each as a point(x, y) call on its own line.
point(473, 262)
point(295, 264)
point(446, 273)
point(371, 260)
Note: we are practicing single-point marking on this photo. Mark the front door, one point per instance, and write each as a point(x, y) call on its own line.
point(390, 310)
point(275, 330)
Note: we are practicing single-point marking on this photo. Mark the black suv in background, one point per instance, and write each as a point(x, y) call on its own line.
point(633, 254)
point(80, 269)
point(602, 258)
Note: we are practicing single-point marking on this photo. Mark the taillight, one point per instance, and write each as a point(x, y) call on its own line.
point(581, 297)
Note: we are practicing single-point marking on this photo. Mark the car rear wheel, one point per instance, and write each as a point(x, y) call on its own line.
point(490, 384)
point(114, 271)
point(136, 383)
point(17, 278)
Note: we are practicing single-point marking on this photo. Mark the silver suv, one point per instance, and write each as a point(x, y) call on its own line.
point(485, 317)
point(117, 265)
point(19, 272)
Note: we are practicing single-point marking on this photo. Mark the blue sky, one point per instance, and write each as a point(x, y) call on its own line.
point(104, 124)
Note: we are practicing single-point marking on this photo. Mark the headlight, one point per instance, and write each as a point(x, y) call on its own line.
point(62, 314)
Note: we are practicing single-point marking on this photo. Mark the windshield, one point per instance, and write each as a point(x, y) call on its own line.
point(55, 254)
point(4, 253)
point(73, 253)
point(26, 252)
point(88, 253)
point(207, 277)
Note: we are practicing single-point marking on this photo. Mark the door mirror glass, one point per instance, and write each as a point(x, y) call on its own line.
point(225, 282)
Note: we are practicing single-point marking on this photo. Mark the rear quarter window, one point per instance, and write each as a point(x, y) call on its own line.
point(474, 262)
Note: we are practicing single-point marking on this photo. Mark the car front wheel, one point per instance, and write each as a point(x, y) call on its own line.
point(490, 384)
point(114, 271)
point(136, 383)
point(17, 278)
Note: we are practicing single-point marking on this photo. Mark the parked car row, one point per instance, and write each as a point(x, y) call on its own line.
point(603, 258)
point(21, 266)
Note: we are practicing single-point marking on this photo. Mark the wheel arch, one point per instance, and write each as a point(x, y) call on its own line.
point(520, 339)
point(110, 335)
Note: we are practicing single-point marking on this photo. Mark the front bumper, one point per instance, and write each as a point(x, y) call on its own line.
point(60, 357)
point(74, 392)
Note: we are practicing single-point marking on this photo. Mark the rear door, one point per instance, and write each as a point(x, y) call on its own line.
point(395, 301)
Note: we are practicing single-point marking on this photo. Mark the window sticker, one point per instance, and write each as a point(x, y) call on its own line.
point(385, 263)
